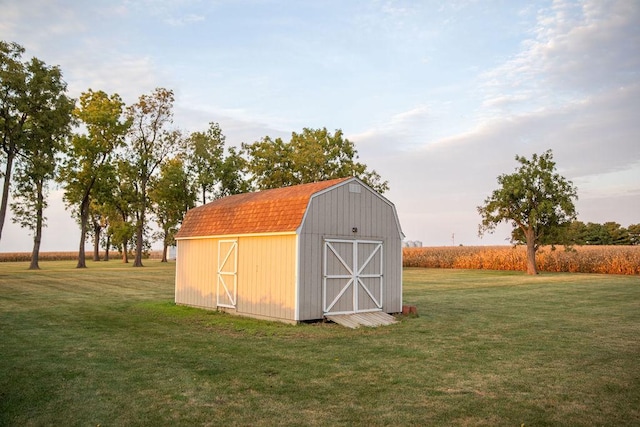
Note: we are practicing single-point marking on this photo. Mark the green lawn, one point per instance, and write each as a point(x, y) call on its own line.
point(106, 346)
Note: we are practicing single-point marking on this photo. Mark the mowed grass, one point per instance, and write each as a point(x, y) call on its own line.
point(106, 346)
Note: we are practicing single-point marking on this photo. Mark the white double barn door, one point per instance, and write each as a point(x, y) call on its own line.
point(353, 278)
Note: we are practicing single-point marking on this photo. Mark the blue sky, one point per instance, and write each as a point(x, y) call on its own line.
point(438, 96)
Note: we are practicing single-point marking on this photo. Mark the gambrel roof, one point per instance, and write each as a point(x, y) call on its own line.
point(268, 211)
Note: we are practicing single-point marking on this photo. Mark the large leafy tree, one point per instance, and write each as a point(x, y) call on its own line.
point(44, 131)
point(13, 113)
point(205, 160)
point(310, 156)
point(214, 174)
point(535, 199)
point(151, 143)
point(32, 103)
point(171, 197)
point(90, 155)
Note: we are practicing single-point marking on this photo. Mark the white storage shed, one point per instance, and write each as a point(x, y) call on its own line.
point(293, 254)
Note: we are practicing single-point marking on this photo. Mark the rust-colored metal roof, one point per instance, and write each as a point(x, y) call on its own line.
point(268, 211)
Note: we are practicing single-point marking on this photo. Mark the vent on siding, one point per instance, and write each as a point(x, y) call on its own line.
point(354, 188)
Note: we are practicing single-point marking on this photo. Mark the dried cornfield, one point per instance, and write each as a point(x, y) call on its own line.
point(65, 256)
point(579, 259)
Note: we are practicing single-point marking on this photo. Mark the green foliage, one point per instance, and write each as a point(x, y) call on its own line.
point(151, 143)
point(205, 159)
point(171, 197)
point(35, 115)
point(213, 173)
point(269, 163)
point(13, 98)
point(634, 234)
point(311, 156)
point(609, 233)
point(47, 125)
point(535, 199)
point(120, 208)
point(88, 168)
point(231, 175)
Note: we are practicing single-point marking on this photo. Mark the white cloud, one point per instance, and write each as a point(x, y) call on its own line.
point(577, 48)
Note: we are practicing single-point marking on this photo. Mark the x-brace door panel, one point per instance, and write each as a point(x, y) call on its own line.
point(227, 283)
point(352, 276)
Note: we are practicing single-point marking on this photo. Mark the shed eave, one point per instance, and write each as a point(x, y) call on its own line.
point(220, 236)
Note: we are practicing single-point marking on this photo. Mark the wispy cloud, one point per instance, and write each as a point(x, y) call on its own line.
point(178, 21)
point(170, 12)
point(576, 49)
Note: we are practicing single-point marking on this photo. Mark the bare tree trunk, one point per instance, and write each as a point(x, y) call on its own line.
point(37, 239)
point(96, 240)
point(125, 254)
point(84, 216)
point(531, 252)
point(137, 262)
point(164, 252)
point(82, 259)
point(106, 249)
point(5, 189)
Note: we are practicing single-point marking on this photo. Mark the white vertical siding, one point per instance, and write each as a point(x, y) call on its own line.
point(266, 276)
point(196, 272)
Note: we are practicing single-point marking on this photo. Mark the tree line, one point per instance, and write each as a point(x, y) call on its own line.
point(609, 233)
point(123, 167)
